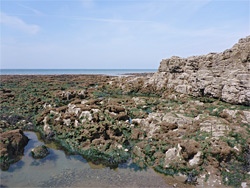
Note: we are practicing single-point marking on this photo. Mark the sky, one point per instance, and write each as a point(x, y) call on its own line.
point(116, 34)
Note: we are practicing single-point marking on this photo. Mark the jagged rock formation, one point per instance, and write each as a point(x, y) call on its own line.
point(224, 75)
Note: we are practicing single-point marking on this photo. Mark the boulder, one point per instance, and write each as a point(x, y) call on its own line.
point(190, 148)
point(39, 152)
point(12, 145)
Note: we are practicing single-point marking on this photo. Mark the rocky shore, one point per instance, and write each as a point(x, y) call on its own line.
point(191, 118)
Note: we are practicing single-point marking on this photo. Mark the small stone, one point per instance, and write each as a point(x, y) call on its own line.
point(39, 152)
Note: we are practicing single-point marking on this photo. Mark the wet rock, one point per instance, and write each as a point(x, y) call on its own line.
point(39, 152)
point(191, 179)
point(12, 145)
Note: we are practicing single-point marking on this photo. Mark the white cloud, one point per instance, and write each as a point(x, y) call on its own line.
point(19, 24)
point(35, 11)
point(110, 20)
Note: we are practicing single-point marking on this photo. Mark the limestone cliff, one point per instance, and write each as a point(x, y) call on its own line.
point(224, 75)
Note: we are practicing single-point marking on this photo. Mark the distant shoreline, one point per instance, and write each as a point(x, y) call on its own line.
point(111, 72)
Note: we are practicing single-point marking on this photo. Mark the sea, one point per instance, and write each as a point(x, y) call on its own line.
point(112, 72)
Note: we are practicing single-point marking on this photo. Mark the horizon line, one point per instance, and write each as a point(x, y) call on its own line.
point(75, 69)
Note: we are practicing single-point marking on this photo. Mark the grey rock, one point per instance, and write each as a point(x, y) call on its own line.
point(224, 75)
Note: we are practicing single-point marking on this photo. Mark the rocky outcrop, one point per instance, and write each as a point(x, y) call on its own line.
point(12, 145)
point(224, 75)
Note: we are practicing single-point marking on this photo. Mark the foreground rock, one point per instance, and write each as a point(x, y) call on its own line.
point(12, 145)
point(224, 75)
point(40, 152)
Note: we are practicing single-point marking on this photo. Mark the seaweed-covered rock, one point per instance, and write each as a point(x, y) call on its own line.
point(40, 152)
point(12, 145)
point(190, 148)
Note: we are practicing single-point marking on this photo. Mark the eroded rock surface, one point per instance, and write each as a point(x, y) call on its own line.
point(224, 75)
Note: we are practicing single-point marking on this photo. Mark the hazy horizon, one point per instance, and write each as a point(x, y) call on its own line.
point(112, 72)
point(105, 34)
point(70, 69)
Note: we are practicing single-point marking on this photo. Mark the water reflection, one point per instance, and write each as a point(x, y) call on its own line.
point(61, 170)
point(16, 166)
point(52, 157)
point(129, 164)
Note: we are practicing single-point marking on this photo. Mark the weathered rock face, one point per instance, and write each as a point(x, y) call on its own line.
point(224, 75)
point(12, 145)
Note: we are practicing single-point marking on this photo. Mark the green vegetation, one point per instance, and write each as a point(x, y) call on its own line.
point(103, 131)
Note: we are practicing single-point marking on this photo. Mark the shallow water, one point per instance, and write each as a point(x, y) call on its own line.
point(61, 170)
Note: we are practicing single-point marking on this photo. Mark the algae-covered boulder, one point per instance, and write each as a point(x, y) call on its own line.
point(39, 152)
point(12, 145)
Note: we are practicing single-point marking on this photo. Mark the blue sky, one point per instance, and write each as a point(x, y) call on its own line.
point(116, 34)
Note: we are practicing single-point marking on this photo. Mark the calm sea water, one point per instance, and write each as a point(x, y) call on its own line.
point(72, 71)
